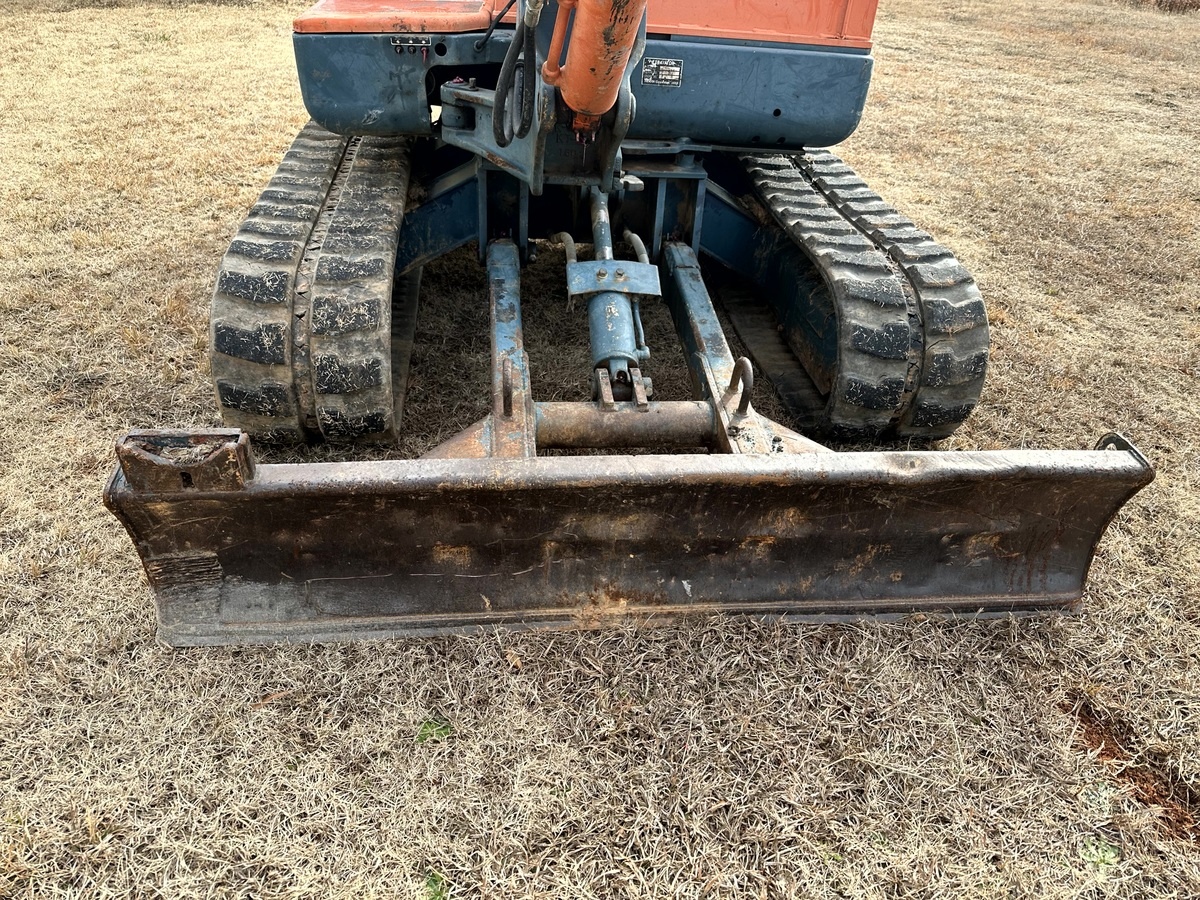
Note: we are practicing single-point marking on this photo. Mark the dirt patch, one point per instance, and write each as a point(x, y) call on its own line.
point(1155, 782)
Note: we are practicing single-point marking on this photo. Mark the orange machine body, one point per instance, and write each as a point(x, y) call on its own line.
point(833, 23)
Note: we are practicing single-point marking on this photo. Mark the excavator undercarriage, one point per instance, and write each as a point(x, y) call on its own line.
point(553, 513)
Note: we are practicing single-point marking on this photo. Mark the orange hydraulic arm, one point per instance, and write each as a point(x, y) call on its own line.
point(602, 40)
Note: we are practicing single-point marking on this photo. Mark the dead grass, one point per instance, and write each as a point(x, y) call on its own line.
point(1172, 6)
point(1052, 147)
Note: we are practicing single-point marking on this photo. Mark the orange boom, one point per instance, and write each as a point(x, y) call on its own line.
point(602, 40)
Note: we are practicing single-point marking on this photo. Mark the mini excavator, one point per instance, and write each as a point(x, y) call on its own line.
point(641, 137)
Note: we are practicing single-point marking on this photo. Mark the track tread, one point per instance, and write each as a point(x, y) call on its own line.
point(953, 315)
point(251, 318)
point(872, 371)
point(351, 281)
point(301, 312)
point(945, 328)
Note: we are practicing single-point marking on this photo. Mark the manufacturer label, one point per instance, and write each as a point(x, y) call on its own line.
point(663, 72)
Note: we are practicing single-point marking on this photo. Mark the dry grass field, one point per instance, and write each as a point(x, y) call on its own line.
point(1055, 146)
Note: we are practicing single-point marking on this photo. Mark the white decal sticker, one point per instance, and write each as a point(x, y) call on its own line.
point(664, 72)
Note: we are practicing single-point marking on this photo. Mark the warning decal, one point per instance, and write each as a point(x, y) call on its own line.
point(664, 72)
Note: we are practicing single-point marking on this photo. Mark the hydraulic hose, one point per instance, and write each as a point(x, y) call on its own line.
point(487, 35)
point(523, 43)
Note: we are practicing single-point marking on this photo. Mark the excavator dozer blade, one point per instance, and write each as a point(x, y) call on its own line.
point(243, 553)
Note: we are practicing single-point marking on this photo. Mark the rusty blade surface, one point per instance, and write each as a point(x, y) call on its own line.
point(336, 551)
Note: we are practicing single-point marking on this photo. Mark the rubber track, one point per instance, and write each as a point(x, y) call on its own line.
point(912, 333)
point(349, 346)
point(953, 315)
point(252, 307)
point(872, 381)
point(301, 314)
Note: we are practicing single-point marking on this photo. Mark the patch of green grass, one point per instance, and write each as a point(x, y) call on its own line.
point(433, 730)
point(435, 884)
point(1099, 853)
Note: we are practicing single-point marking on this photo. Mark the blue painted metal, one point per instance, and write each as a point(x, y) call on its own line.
point(614, 288)
point(611, 323)
point(525, 157)
point(731, 94)
point(727, 383)
point(360, 84)
point(788, 281)
point(613, 335)
point(447, 219)
point(738, 95)
point(513, 425)
point(623, 276)
point(710, 362)
point(548, 153)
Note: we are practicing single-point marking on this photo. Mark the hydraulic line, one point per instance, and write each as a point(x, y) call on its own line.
point(487, 35)
point(523, 44)
point(568, 243)
point(639, 247)
point(601, 226)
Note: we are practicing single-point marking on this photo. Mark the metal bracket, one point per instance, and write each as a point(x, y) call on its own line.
point(411, 42)
point(166, 462)
point(616, 276)
point(743, 374)
point(604, 389)
point(1117, 441)
point(524, 157)
point(513, 429)
point(641, 389)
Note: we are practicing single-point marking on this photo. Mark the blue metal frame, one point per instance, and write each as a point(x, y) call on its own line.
point(766, 257)
point(449, 217)
point(731, 94)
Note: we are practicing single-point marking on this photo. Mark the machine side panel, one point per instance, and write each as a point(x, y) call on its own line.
point(731, 95)
point(739, 95)
point(376, 83)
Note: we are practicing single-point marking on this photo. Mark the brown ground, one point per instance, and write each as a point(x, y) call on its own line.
point(1056, 146)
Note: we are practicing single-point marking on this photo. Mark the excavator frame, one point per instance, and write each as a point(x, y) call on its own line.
point(868, 330)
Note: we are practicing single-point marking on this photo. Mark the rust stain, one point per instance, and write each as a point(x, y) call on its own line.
point(459, 556)
point(981, 545)
point(860, 563)
point(602, 606)
point(759, 545)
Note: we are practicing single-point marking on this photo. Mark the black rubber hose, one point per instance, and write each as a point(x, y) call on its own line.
point(523, 42)
point(504, 85)
point(482, 42)
point(529, 83)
